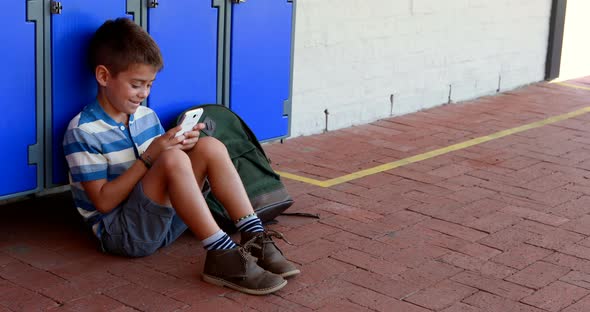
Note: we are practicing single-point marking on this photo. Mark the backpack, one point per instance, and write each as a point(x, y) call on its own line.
point(263, 185)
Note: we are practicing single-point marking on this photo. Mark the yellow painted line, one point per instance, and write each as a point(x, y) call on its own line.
point(302, 179)
point(434, 153)
point(569, 85)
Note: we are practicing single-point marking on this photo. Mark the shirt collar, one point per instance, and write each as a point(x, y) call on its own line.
point(101, 114)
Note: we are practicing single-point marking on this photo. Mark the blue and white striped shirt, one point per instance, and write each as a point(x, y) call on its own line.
point(97, 147)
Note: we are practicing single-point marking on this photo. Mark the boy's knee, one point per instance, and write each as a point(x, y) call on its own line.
point(173, 159)
point(210, 146)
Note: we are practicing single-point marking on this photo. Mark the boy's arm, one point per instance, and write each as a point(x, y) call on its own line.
point(107, 195)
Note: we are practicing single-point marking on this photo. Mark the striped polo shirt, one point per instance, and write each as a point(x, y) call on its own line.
point(97, 147)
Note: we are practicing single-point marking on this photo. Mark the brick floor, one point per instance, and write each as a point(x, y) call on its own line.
point(499, 226)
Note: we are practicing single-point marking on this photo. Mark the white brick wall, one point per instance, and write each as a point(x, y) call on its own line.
point(575, 53)
point(351, 55)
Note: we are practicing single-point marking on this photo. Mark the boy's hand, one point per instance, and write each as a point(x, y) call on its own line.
point(164, 142)
point(191, 137)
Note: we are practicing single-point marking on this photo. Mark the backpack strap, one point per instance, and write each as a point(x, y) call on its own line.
point(301, 214)
point(209, 126)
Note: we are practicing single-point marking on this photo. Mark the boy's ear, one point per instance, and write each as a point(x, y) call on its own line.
point(102, 75)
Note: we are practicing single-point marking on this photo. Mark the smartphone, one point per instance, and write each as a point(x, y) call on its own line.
point(189, 120)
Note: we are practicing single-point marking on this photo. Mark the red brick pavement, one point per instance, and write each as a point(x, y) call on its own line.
point(500, 226)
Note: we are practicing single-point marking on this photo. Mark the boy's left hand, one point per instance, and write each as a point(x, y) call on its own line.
point(191, 137)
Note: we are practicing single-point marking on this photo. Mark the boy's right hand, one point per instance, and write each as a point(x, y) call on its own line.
point(164, 142)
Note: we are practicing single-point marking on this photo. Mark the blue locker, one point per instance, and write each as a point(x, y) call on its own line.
point(18, 96)
point(187, 33)
point(72, 83)
point(261, 65)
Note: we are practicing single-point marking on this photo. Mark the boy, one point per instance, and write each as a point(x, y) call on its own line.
point(140, 187)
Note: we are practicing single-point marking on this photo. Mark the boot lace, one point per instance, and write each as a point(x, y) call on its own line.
point(272, 233)
point(266, 238)
point(245, 248)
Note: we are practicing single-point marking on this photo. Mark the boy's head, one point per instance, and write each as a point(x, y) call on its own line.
point(119, 44)
point(125, 60)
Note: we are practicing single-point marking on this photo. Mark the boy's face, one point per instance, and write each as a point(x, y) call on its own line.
point(123, 94)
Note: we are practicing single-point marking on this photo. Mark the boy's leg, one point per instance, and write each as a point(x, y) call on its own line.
point(210, 159)
point(172, 182)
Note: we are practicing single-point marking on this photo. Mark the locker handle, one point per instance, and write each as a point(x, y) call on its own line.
point(55, 7)
point(238, 1)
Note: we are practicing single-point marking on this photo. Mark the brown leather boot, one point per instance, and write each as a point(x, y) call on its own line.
point(270, 257)
point(237, 269)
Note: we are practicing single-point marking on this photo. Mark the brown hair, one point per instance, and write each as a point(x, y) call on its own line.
point(120, 43)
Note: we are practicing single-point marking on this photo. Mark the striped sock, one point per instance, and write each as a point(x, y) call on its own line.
point(219, 240)
point(250, 224)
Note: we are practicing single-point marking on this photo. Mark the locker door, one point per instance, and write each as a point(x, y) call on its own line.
point(17, 94)
point(261, 64)
point(73, 85)
point(187, 33)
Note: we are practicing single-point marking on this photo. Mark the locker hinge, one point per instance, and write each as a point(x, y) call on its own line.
point(35, 154)
point(286, 108)
point(56, 7)
point(153, 4)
